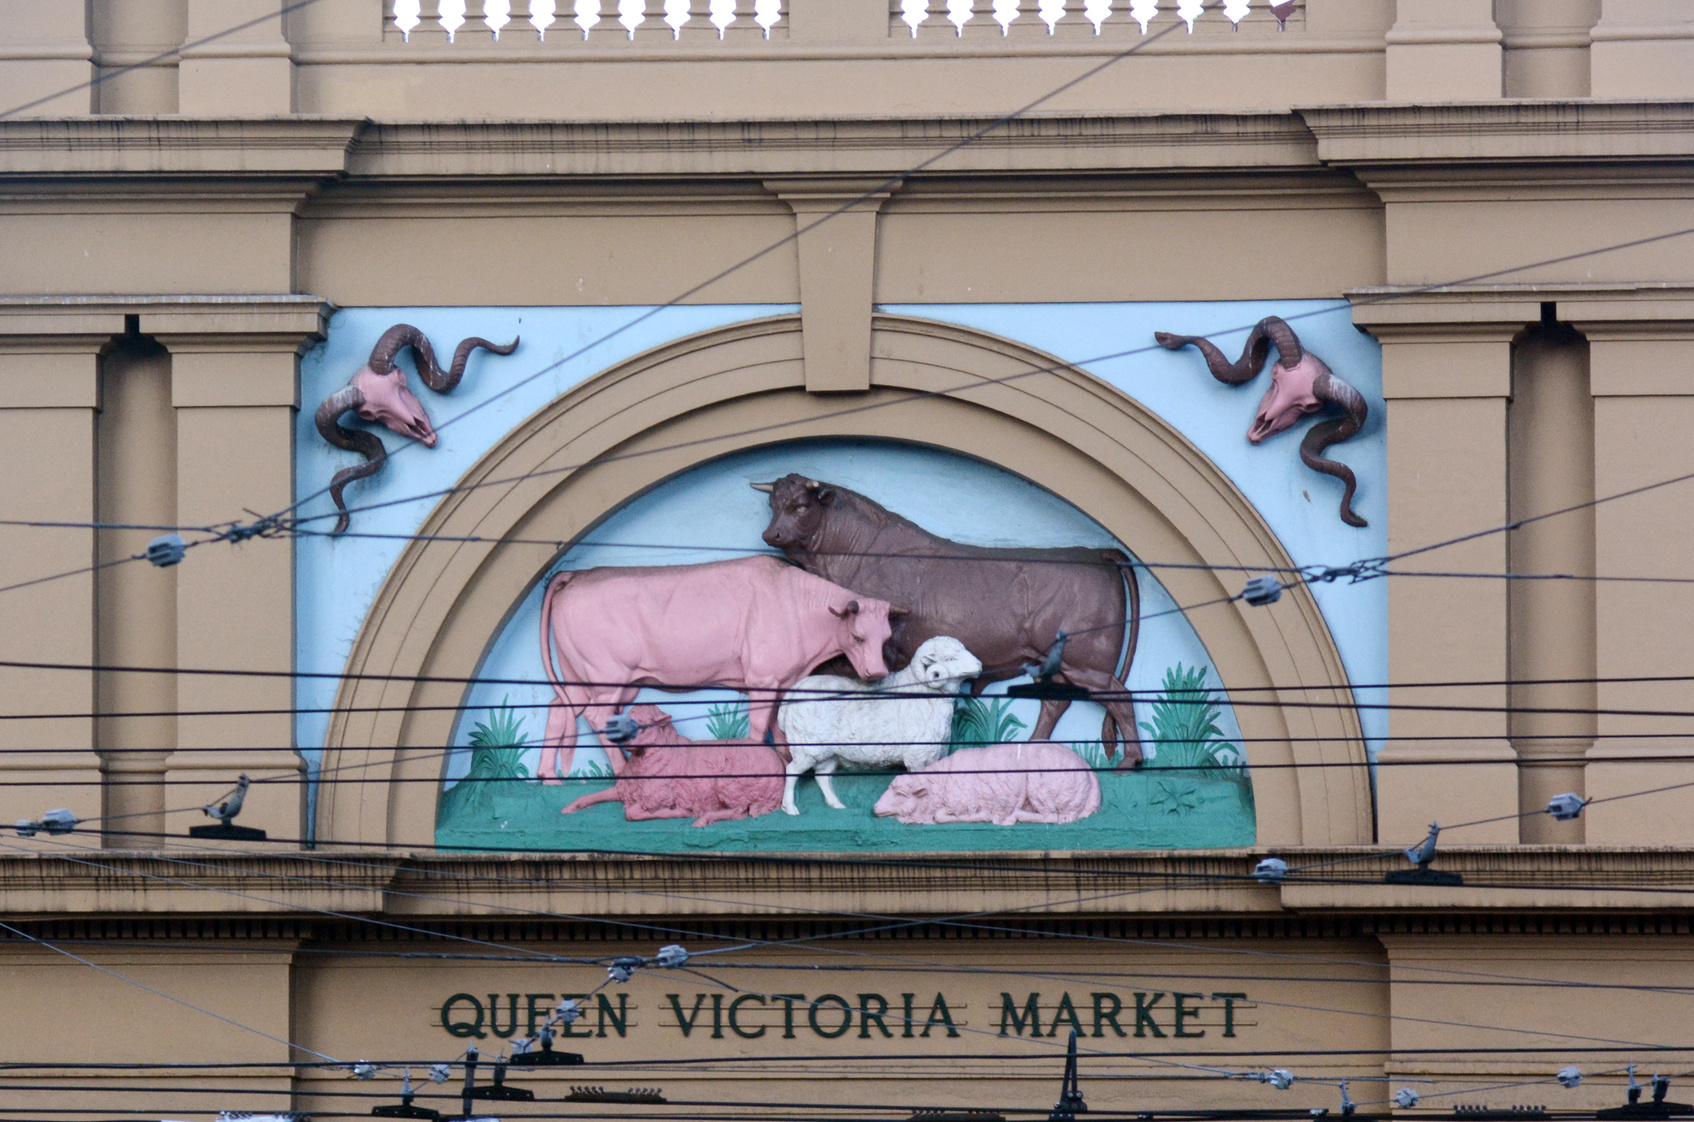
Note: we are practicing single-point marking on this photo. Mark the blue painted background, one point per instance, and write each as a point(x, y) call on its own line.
point(337, 579)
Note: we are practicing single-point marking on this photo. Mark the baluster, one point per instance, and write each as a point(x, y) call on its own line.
point(1051, 12)
point(541, 14)
point(407, 15)
point(676, 14)
point(587, 15)
point(452, 17)
point(632, 13)
point(1005, 11)
point(1236, 10)
point(766, 13)
point(959, 12)
point(1097, 12)
point(722, 15)
point(1190, 10)
point(1143, 10)
point(496, 14)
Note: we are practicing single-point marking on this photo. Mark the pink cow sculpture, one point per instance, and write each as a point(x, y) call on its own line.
point(1035, 781)
point(669, 776)
point(754, 623)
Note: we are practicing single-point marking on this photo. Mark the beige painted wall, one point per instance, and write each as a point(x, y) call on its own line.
point(163, 273)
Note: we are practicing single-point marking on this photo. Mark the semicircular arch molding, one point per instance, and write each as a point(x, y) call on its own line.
point(632, 427)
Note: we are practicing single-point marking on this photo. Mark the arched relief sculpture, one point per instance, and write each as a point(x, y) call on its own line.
point(378, 392)
point(1007, 606)
point(1301, 384)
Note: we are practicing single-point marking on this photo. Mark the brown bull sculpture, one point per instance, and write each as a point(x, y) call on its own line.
point(1007, 606)
point(379, 393)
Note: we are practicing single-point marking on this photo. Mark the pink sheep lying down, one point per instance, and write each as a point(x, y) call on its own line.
point(1005, 784)
point(669, 776)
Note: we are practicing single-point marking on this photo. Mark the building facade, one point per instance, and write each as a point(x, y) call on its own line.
point(907, 257)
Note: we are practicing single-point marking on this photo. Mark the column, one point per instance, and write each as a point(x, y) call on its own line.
point(1444, 50)
point(1446, 385)
point(1643, 48)
point(246, 74)
point(235, 393)
point(1550, 434)
point(136, 614)
point(49, 392)
point(45, 58)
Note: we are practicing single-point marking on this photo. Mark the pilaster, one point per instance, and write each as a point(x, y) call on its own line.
point(836, 223)
point(249, 73)
point(1643, 411)
point(1445, 50)
point(45, 60)
point(1643, 48)
point(1446, 379)
point(49, 392)
point(234, 389)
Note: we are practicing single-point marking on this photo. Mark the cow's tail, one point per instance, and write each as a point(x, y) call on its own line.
point(1132, 621)
point(547, 664)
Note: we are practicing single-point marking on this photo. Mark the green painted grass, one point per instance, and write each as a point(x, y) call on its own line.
point(1139, 810)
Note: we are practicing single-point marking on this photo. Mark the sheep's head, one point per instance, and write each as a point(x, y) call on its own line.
point(943, 663)
point(386, 399)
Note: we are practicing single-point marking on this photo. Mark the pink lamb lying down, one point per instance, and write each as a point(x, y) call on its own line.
point(670, 776)
point(1005, 784)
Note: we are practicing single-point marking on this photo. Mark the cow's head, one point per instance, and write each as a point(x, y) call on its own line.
point(1289, 398)
point(798, 506)
point(863, 628)
point(387, 400)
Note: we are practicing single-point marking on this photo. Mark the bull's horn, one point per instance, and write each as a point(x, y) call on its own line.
point(767, 488)
point(896, 613)
point(812, 485)
point(852, 608)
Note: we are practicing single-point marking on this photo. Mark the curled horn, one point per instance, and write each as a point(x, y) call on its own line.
point(1243, 369)
point(441, 381)
point(767, 488)
point(1327, 387)
point(354, 440)
point(1287, 343)
point(851, 609)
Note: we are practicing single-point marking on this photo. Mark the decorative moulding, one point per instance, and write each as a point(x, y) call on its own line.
point(246, 147)
point(1501, 131)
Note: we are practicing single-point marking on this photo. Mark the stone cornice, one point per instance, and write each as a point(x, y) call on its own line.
point(247, 148)
point(283, 316)
point(1524, 880)
point(1502, 132)
point(1401, 308)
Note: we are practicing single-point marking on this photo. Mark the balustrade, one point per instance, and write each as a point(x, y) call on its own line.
point(602, 19)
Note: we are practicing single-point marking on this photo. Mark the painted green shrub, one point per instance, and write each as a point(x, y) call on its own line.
point(978, 721)
point(1184, 731)
point(497, 748)
point(729, 721)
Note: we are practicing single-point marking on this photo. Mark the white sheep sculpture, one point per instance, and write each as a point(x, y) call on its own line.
point(826, 725)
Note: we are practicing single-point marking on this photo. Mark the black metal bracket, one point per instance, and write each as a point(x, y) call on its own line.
point(1070, 1102)
point(227, 831)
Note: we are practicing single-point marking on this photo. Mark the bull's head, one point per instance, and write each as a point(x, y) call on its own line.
point(379, 393)
point(798, 505)
point(1301, 384)
point(865, 626)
